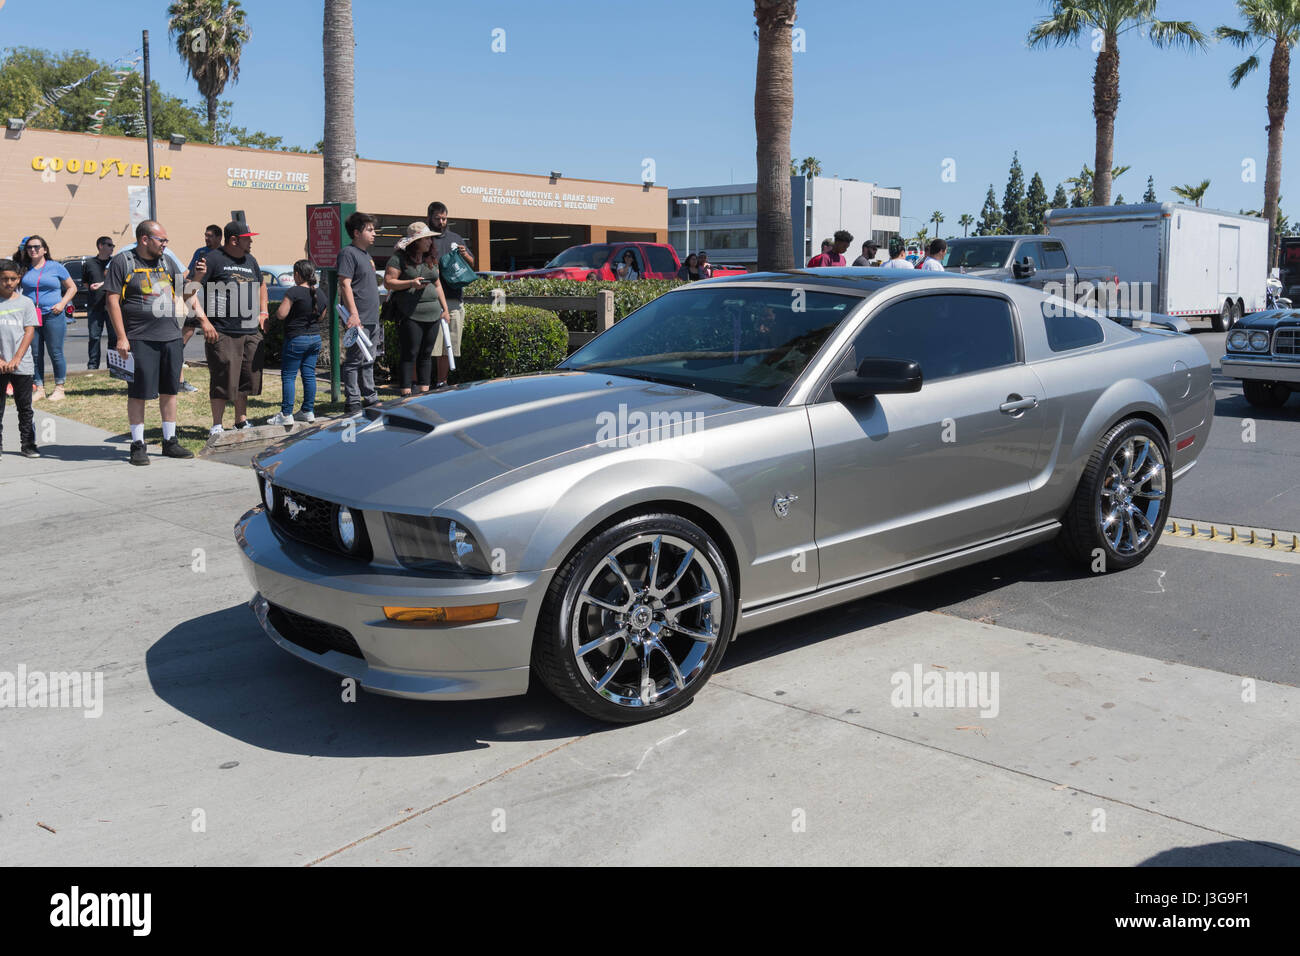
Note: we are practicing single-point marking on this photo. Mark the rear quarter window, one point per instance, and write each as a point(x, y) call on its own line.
point(1068, 329)
point(661, 260)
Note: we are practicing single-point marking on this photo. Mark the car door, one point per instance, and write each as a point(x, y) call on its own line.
point(904, 477)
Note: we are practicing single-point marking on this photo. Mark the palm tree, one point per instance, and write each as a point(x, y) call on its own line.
point(1085, 186)
point(810, 167)
point(1193, 194)
point(921, 235)
point(966, 221)
point(1112, 17)
point(210, 36)
point(773, 116)
point(340, 129)
point(936, 217)
point(1278, 21)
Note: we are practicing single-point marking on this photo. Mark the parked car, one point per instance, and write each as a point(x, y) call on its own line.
point(1028, 260)
point(1263, 353)
point(716, 462)
point(279, 280)
point(80, 301)
point(1288, 262)
point(597, 261)
point(1195, 261)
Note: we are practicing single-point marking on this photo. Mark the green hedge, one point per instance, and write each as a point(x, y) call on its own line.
point(496, 342)
point(628, 296)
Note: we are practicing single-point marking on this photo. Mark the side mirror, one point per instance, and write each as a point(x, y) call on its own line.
point(877, 377)
point(1024, 268)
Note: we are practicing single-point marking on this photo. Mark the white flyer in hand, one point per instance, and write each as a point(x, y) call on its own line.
point(123, 368)
point(446, 342)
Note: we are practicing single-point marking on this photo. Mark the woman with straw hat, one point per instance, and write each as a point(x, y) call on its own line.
point(418, 299)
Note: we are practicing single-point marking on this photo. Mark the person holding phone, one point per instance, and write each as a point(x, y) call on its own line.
point(411, 278)
point(627, 267)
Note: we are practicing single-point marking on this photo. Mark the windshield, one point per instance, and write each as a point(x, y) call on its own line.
point(586, 257)
point(977, 254)
point(746, 344)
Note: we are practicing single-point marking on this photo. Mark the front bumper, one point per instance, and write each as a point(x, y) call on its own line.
point(1266, 368)
point(454, 662)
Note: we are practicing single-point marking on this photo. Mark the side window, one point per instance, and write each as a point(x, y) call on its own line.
point(1053, 256)
point(1032, 249)
point(946, 334)
point(661, 260)
point(1068, 329)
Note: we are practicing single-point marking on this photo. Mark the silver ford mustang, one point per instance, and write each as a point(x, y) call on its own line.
point(733, 454)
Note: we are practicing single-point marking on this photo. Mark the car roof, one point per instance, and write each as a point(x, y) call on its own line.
point(856, 278)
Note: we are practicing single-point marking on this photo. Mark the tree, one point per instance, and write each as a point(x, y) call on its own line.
point(1036, 204)
point(28, 73)
point(936, 217)
point(1119, 200)
point(773, 117)
point(1110, 18)
point(210, 37)
point(990, 223)
point(1059, 199)
point(1013, 198)
point(966, 221)
point(1278, 22)
point(1081, 188)
point(1193, 194)
point(921, 236)
point(340, 150)
point(1284, 227)
point(1150, 194)
point(810, 167)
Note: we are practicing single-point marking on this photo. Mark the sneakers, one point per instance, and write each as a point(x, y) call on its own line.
point(31, 452)
point(306, 416)
point(38, 393)
point(215, 431)
point(240, 426)
point(139, 453)
point(187, 387)
point(57, 395)
point(280, 418)
point(172, 448)
point(350, 411)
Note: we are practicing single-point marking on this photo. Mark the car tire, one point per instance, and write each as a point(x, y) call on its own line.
point(626, 644)
point(1238, 312)
point(1265, 394)
point(1223, 321)
point(1121, 505)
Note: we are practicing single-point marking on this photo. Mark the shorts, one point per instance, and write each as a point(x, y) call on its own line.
point(455, 323)
point(157, 368)
point(235, 365)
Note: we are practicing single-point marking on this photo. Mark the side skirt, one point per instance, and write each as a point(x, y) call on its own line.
point(873, 584)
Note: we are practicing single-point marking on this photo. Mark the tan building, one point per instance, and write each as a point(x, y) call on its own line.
point(72, 187)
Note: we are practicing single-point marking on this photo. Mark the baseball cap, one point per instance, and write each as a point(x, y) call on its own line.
point(235, 228)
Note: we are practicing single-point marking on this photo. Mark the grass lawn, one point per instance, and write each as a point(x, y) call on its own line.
point(96, 399)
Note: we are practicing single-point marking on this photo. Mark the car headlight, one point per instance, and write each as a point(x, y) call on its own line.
point(1238, 340)
point(435, 543)
point(345, 526)
point(1259, 341)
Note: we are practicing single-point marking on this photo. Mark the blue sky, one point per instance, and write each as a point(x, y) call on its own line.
point(883, 92)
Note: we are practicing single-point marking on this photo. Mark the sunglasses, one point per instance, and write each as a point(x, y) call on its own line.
point(35, 248)
point(157, 240)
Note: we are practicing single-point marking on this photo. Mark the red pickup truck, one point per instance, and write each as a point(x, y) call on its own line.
point(596, 261)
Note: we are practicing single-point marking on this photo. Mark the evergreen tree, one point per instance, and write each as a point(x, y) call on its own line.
point(1150, 194)
point(1015, 216)
point(1036, 204)
point(990, 223)
point(1059, 199)
point(1119, 200)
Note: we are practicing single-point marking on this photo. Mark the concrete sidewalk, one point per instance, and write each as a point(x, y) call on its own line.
point(216, 747)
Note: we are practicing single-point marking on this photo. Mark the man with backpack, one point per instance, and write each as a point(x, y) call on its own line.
point(449, 243)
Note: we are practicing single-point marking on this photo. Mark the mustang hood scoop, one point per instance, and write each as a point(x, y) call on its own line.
point(411, 455)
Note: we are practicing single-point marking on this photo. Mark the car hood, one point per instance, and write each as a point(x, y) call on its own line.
point(413, 454)
point(1271, 319)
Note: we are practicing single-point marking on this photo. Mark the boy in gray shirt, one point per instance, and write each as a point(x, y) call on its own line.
point(18, 322)
point(359, 295)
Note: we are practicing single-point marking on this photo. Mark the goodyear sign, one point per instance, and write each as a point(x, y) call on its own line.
point(98, 168)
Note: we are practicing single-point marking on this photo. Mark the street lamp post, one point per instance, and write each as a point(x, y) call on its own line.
point(688, 203)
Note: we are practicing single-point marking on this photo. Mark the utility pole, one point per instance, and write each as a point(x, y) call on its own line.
point(148, 132)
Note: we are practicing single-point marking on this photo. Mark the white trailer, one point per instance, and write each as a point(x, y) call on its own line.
point(1182, 260)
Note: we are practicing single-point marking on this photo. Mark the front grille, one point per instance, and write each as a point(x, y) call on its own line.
point(311, 634)
point(311, 520)
point(1286, 342)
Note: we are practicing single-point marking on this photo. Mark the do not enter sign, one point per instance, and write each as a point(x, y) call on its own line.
point(324, 235)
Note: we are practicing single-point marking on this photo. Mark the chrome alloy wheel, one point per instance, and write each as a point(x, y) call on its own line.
point(645, 624)
point(1132, 495)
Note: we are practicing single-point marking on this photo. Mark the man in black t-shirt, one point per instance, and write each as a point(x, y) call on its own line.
point(235, 300)
point(93, 272)
point(141, 290)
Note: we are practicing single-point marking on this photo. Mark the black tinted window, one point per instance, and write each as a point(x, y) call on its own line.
point(1053, 256)
point(947, 334)
point(1068, 329)
point(1033, 251)
point(661, 260)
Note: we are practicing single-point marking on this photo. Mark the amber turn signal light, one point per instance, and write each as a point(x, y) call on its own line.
point(467, 614)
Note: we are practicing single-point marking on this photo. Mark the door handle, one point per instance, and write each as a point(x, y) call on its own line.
point(1015, 405)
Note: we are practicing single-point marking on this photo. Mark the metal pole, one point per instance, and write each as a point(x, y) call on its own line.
point(148, 123)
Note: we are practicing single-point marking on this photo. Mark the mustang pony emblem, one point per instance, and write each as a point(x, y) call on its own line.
point(781, 505)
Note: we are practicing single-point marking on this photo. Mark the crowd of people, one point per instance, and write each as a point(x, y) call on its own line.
point(833, 250)
point(150, 306)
